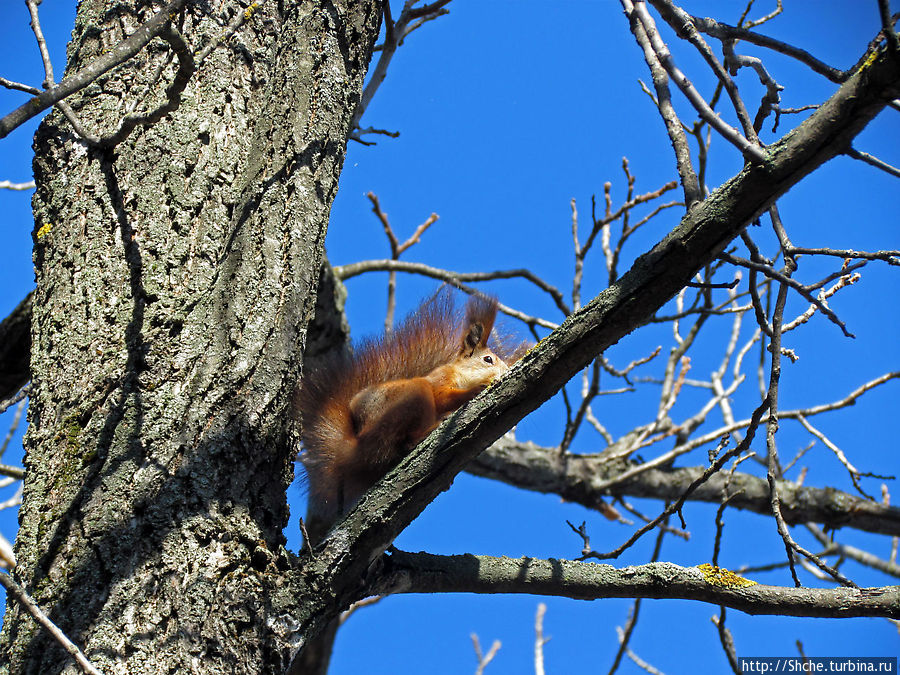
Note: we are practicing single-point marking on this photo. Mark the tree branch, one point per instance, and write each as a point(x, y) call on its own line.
point(403, 572)
point(118, 54)
point(531, 467)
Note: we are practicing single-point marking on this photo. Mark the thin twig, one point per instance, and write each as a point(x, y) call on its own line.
point(484, 659)
point(873, 161)
point(723, 31)
point(727, 641)
point(9, 185)
point(18, 86)
point(395, 31)
point(344, 272)
point(631, 624)
point(863, 557)
point(676, 507)
point(788, 281)
point(359, 604)
point(774, 471)
point(887, 25)
point(691, 186)
point(539, 639)
point(123, 51)
point(680, 21)
point(22, 597)
point(18, 396)
point(750, 150)
point(396, 250)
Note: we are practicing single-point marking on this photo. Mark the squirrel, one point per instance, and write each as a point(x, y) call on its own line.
point(361, 412)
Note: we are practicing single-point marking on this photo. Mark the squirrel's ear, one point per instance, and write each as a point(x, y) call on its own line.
point(472, 338)
point(481, 311)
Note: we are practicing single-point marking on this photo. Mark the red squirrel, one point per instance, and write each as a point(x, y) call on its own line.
point(362, 412)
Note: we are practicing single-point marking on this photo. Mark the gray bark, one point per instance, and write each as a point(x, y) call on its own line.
point(421, 572)
point(575, 479)
point(175, 277)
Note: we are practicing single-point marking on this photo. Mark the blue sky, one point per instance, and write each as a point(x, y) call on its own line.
point(507, 111)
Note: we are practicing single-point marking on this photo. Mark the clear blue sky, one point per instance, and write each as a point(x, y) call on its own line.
point(507, 111)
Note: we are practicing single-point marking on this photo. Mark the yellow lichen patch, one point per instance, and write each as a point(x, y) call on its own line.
point(250, 11)
point(44, 230)
point(869, 60)
point(719, 576)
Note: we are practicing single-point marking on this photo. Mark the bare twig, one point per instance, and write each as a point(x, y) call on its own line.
point(676, 507)
point(539, 639)
point(723, 31)
point(396, 249)
point(123, 51)
point(28, 89)
point(15, 500)
point(7, 557)
point(8, 185)
point(693, 192)
point(726, 640)
point(12, 400)
point(750, 150)
point(779, 8)
point(631, 624)
point(680, 21)
point(824, 294)
point(720, 528)
point(484, 659)
point(663, 527)
point(774, 470)
point(887, 25)
point(49, 81)
point(788, 281)
point(410, 19)
point(638, 661)
point(890, 257)
point(17, 417)
point(12, 471)
point(863, 557)
point(873, 161)
point(21, 596)
point(359, 604)
point(345, 272)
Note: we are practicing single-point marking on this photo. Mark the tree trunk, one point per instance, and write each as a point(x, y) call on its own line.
point(175, 277)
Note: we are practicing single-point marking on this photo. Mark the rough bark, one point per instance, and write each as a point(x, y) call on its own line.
point(404, 572)
point(175, 277)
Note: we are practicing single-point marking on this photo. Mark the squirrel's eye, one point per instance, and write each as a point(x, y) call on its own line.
point(488, 359)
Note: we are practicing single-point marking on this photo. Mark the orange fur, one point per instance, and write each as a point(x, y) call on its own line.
point(361, 412)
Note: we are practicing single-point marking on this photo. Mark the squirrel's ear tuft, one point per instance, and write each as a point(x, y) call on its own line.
point(481, 311)
point(472, 339)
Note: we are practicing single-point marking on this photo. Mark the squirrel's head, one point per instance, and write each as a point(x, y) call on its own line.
point(477, 364)
point(477, 367)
